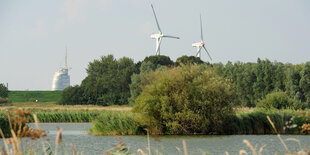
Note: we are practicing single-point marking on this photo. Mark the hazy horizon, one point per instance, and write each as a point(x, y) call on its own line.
point(34, 34)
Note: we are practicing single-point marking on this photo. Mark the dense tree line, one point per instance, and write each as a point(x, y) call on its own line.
point(117, 82)
point(256, 80)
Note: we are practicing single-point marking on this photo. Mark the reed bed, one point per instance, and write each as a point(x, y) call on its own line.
point(255, 122)
point(67, 116)
point(117, 123)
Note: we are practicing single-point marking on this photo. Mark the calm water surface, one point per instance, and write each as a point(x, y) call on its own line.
point(76, 133)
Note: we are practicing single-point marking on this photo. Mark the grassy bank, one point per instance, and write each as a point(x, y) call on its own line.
point(31, 96)
point(252, 122)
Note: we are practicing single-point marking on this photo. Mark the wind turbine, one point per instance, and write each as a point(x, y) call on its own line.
point(158, 36)
point(201, 44)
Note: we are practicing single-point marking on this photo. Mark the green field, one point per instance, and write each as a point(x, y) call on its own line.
point(31, 96)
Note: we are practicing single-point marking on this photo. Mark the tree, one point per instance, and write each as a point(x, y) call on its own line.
point(185, 100)
point(107, 82)
point(159, 60)
point(4, 92)
point(72, 95)
point(188, 59)
point(305, 82)
point(280, 100)
point(140, 80)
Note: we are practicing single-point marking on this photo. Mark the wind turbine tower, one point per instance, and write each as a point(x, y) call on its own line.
point(61, 78)
point(158, 36)
point(201, 44)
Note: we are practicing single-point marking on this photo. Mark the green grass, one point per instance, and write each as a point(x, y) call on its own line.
point(31, 96)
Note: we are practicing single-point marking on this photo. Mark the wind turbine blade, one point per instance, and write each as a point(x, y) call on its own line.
point(201, 29)
point(156, 18)
point(167, 36)
point(207, 52)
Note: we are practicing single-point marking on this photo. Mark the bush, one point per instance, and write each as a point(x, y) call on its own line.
point(188, 99)
point(280, 100)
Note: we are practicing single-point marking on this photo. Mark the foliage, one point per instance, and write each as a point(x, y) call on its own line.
point(3, 91)
point(31, 96)
point(280, 100)
point(185, 100)
point(159, 60)
point(305, 82)
point(140, 80)
point(255, 80)
point(72, 95)
point(188, 60)
point(117, 123)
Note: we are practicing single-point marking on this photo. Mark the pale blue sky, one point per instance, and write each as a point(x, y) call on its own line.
point(34, 33)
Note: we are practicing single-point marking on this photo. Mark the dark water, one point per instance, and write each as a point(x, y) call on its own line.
point(76, 133)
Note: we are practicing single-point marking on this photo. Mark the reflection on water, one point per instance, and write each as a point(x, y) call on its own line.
point(76, 133)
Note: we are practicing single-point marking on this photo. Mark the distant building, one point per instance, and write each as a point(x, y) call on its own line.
point(61, 78)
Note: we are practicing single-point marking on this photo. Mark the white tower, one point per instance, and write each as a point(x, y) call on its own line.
point(61, 78)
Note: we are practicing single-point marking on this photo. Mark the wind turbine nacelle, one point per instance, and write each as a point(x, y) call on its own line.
point(196, 44)
point(156, 36)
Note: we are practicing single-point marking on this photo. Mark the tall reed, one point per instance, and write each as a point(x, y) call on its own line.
point(117, 123)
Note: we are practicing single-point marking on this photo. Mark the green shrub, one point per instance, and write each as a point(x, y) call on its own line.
point(280, 100)
point(188, 99)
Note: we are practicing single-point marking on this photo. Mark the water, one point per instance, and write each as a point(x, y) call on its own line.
point(76, 133)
